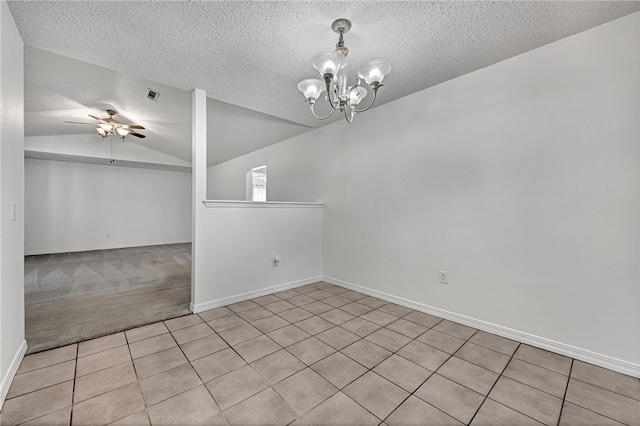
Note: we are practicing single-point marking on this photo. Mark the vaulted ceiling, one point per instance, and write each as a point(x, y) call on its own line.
point(82, 57)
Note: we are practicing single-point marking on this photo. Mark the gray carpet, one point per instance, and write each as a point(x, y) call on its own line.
point(71, 297)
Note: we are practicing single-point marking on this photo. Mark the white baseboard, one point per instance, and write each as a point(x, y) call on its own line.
point(102, 247)
point(13, 368)
point(251, 294)
point(621, 366)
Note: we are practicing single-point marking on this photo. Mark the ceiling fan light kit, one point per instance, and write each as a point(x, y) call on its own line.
point(332, 67)
point(110, 126)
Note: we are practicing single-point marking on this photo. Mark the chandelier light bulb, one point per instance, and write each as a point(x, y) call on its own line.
point(311, 88)
point(328, 62)
point(101, 131)
point(356, 95)
point(374, 71)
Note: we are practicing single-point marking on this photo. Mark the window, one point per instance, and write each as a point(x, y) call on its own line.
point(257, 184)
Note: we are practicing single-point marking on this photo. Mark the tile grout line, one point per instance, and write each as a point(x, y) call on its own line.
point(494, 385)
point(198, 374)
point(339, 390)
point(392, 353)
point(73, 387)
point(524, 384)
point(604, 389)
point(432, 373)
point(589, 409)
point(531, 386)
point(499, 375)
point(103, 369)
point(264, 334)
point(50, 386)
point(512, 356)
point(153, 375)
point(569, 377)
point(364, 338)
point(536, 388)
point(135, 370)
point(281, 348)
point(566, 389)
point(202, 382)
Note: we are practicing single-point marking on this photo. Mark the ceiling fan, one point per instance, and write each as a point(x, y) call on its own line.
point(111, 126)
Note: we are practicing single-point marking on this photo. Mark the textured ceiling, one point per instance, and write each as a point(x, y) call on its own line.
point(252, 54)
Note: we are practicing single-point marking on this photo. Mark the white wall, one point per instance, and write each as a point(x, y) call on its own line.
point(520, 180)
point(12, 345)
point(239, 241)
point(294, 172)
point(73, 206)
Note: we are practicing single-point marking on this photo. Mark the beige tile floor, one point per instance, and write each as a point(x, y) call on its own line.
point(316, 355)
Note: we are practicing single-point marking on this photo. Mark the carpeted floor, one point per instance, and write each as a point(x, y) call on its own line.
point(70, 297)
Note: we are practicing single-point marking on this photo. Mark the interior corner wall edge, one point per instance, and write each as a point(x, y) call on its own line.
point(520, 180)
point(80, 207)
point(12, 191)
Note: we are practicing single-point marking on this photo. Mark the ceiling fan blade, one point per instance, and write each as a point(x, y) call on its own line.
point(132, 126)
point(103, 120)
point(136, 134)
point(77, 122)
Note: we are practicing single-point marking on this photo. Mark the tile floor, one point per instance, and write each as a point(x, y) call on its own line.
point(316, 355)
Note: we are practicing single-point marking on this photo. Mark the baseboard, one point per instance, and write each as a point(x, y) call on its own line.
point(13, 369)
point(252, 294)
point(621, 366)
point(105, 247)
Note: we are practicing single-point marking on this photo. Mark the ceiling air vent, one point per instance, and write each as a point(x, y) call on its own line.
point(153, 95)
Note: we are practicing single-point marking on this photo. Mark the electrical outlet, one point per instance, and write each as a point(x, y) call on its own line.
point(275, 260)
point(444, 277)
point(14, 211)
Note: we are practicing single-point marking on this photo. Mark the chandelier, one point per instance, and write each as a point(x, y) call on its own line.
point(331, 65)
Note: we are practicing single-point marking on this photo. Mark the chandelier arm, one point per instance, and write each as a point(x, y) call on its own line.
point(375, 94)
point(346, 116)
point(334, 103)
point(321, 118)
point(337, 103)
